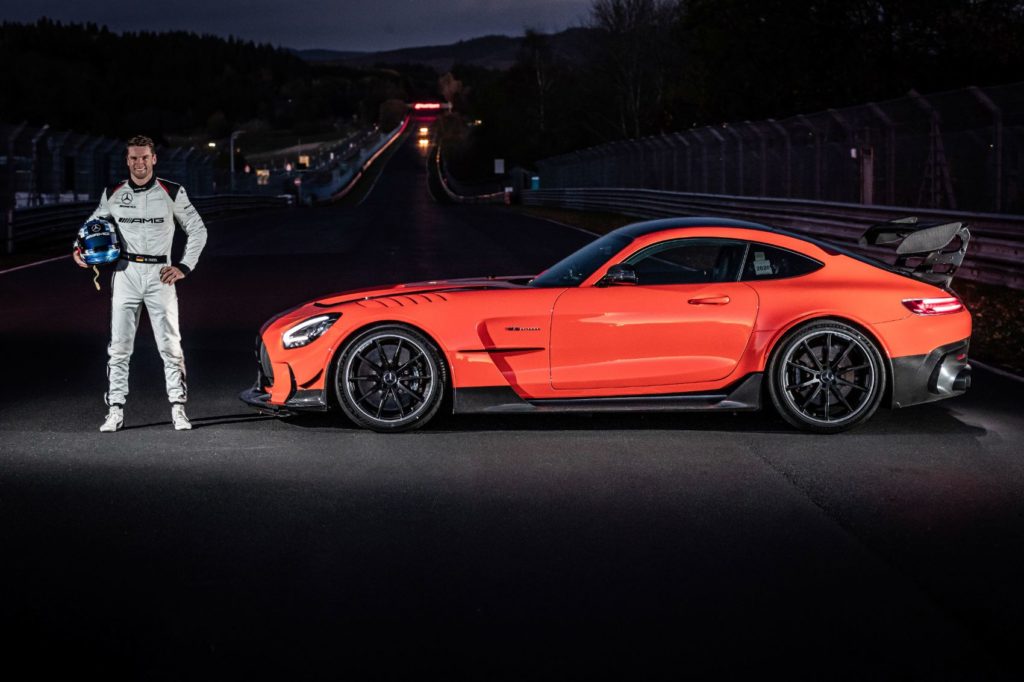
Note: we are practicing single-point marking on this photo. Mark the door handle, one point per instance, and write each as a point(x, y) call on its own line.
point(710, 300)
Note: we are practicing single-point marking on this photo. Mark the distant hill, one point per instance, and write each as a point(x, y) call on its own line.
point(492, 52)
point(67, 76)
point(326, 55)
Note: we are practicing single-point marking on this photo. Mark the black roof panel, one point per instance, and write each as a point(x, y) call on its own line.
point(646, 227)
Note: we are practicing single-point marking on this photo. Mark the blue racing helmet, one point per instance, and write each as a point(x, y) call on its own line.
point(98, 241)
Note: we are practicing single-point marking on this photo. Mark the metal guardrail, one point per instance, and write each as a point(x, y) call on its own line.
point(366, 158)
point(995, 254)
point(49, 223)
point(446, 183)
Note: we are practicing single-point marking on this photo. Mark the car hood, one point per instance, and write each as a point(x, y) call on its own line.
point(321, 304)
point(433, 286)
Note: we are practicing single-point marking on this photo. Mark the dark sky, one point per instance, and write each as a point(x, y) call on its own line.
point(365, 25)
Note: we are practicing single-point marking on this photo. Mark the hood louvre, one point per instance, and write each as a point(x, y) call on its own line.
point(400, 300)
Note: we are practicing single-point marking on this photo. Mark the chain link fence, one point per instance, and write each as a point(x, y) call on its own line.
point(42, 166)
point(959, 150)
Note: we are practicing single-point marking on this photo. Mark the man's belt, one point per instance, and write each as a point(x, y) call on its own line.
point(142, 258)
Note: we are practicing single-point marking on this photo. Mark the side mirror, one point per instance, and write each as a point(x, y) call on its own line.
point(618, 274)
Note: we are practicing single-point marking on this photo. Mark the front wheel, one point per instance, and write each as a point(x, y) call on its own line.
point(390, 379)
point(826, 377)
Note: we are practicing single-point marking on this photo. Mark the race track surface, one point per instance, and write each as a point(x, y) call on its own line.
point(518, 547)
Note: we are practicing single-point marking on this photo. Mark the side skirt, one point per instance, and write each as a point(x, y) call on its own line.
point(741, 396)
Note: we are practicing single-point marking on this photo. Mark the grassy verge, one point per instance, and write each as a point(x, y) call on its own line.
point(998, 337)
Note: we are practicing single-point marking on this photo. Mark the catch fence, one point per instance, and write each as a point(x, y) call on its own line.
point(961, 150)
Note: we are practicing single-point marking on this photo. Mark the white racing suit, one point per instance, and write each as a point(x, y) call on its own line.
point(145, 217)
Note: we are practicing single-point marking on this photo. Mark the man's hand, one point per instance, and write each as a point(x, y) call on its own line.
point(169, 274)
point(77, 255)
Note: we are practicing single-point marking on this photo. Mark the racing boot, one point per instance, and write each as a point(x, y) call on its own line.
point(181, 422)
point(115, 419)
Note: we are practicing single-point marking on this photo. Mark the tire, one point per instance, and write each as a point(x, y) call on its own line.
point(390, 379)
point(826, 377)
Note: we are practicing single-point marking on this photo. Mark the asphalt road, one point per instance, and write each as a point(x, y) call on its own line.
point(519, 547)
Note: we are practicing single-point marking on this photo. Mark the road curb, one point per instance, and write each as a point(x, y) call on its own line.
point(33, 264)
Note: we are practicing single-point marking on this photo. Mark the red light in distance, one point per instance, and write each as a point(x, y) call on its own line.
point(420, 106)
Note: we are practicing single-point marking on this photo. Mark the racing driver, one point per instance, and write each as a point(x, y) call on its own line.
point(144, 208)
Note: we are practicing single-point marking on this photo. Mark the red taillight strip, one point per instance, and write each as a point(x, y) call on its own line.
point(933, 306)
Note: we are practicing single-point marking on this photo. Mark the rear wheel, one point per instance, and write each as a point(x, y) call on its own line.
point(390, 379)
point(826, 377)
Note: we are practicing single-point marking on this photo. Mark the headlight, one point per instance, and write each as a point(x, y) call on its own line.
point(309, 330)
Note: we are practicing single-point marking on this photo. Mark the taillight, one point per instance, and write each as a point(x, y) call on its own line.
point(933, 306)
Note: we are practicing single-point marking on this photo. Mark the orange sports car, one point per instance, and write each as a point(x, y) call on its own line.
point(684, 314)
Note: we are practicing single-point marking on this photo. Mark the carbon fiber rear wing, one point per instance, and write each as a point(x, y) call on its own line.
point(929, 251)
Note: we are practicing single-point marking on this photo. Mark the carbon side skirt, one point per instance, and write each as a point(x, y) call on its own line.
point(741, 396)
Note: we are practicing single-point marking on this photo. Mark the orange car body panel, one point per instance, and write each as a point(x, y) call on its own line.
point(618, 337)
point(592, 341)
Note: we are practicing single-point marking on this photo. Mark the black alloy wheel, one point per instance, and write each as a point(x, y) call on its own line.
point(826, 377)
point(390, 379)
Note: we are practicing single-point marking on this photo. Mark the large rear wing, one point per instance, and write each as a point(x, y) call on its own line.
point(929, 251)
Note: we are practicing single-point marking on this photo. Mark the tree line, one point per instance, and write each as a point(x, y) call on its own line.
point(657, 66)
point(648, 67)
point(88, 79)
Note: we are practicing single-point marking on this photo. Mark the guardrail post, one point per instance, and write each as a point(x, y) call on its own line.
point(231, 153)
point(622, 168)
point(789, 155)
point(57, 146)
point(171, 164)
point(202, 174)
point(648, 144)
point(937, 176)
point(865, 159)
point(587, 165)
point(115, 162)
point(88, 174)
point(890, 152)
point(721, 157)
point(817, 154)
point(705, 169)
point(636, 162)
point(997, 141)
point(763, 152)
point(739, 165)
point(866, 165)
point(33, 191)
point(675, 162)
point(690, 186)
point(8, 217)
point(668, 155)
point(76, 154)
point(186, 167)
point(7, 200)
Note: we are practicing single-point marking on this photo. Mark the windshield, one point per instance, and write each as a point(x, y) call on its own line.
point(576, 267)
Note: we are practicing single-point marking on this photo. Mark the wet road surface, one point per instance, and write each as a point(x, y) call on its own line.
point(528, 546)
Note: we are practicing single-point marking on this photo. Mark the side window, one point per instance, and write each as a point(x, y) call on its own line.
point(771, 262)
point(689, 261)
